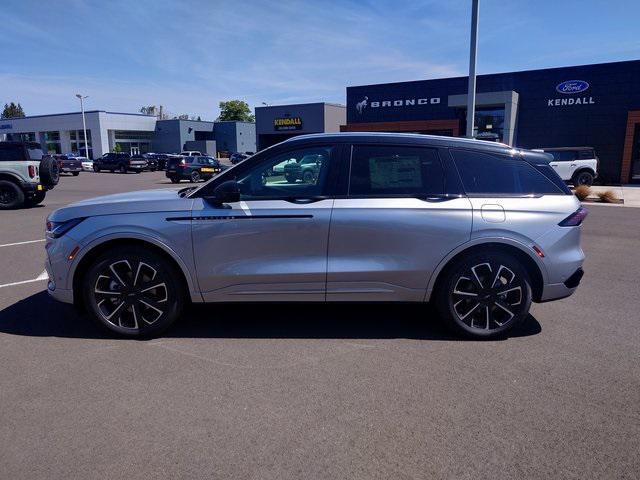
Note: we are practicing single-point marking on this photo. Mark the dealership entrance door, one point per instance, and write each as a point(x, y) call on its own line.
point(635, 156)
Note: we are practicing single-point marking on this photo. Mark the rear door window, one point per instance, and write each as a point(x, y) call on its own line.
point(487, 174)
point(379, 170)
point(564, 155)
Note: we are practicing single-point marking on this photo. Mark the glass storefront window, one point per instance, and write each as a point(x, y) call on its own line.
point(489, 124)
point(52, 136)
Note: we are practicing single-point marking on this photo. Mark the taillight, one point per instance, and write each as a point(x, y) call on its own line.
point(575, 218)
point(32, 171)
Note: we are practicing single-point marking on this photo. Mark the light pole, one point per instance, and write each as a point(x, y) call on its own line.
point(84, 124)
point(473, 55)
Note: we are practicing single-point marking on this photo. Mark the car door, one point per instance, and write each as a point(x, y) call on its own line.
point(564, 163)
point(402, 215)
point(272, 244)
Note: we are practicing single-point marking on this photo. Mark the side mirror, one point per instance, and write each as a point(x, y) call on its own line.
point(226, 192)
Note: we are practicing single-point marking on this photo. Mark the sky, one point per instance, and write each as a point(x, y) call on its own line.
point(188, 55)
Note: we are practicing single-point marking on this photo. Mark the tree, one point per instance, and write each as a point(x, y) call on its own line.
point(150, 110)
point(117, 148)
point(12, 110)
point(236, 110)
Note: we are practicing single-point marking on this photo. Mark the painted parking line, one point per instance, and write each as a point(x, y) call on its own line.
point(43, 276)
point(22, 243)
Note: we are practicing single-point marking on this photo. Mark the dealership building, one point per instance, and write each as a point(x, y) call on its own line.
point(276, 123)
point(134, 133)
point(591, 105)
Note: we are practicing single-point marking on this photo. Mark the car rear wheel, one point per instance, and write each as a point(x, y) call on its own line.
point(290, 178)
point(122, 169)
point(484, 295)
point(583, 178)
point(308, 177)
point(174, 179)
point(133, 292)
point(11, 196)
point(75, 174)
point(195, 177)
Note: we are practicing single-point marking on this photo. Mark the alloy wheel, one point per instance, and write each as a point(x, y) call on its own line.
point(7, 196)
point(130, 294)
point(487, 297)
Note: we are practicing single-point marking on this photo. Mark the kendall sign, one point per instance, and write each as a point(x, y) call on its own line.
point(569, 87)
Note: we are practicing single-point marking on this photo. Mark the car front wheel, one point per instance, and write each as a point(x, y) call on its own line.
point(133, 292)
point(484, 295)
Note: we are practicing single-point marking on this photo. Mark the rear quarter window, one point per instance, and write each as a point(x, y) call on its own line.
point(486, 174)
point(11, 153)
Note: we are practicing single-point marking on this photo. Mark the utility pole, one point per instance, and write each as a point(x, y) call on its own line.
point(473, 56)
point(84, 124)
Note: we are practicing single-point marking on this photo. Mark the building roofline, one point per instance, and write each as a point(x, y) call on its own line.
point(497, 73)
point(78, 113)
point(302, 105)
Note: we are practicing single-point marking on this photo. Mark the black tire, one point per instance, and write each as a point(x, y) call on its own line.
point(194, 177)
point(308, 176)
point(11, 196)
point(290, 178)
point(583, 177)
point(122, 169)
point(174, 179)
point(49, 172)
point(75, 174)
point(472, 304)
point(96, 169)
point(36, 199)
point(141, 313)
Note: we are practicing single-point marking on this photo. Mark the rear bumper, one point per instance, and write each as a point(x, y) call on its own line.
point(556, 291)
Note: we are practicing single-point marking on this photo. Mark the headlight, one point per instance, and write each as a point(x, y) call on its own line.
point(57, 229)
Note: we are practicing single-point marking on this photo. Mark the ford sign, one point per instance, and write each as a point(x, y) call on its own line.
point(572, 86)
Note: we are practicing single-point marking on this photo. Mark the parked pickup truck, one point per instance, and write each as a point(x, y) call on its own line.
point(69, 164)
point(119, 162)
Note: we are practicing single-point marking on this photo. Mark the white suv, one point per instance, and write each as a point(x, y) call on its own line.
point(190, 153)
point(577, 165)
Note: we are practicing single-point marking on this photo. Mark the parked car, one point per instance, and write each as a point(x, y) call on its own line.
point(25, 174)
point(577, 165)
point(306, 169)
point(87, 164)
point(193, 169)
point(279, 168)
point(151, 163)
point(159, 158)
point(120, 162)
point(190, 153)
point(69, 164)
point(237, 157)
point(477, 228)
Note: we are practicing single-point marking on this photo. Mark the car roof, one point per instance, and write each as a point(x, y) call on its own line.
point(547, 149)
point(415, 138)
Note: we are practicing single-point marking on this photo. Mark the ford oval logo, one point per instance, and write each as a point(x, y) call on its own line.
point(572, 86)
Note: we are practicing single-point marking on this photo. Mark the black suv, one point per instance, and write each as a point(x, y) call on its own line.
point(25, 174)
point(193, 169)
point(120, 162)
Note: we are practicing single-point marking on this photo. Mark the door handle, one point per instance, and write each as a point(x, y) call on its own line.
point(303, 200)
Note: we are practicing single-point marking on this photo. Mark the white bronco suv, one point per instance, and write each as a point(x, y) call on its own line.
point(25, 174)
point(577, 165)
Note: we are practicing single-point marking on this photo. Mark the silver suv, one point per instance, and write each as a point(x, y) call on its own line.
point(477, 228)
point(25, 174)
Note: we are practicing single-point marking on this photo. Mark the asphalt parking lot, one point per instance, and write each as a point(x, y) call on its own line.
point(319, 391)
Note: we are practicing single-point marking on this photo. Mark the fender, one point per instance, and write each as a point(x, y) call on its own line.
point(194, 292)
point(479, 241)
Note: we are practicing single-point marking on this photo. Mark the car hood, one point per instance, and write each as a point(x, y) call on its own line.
point(164, 200)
